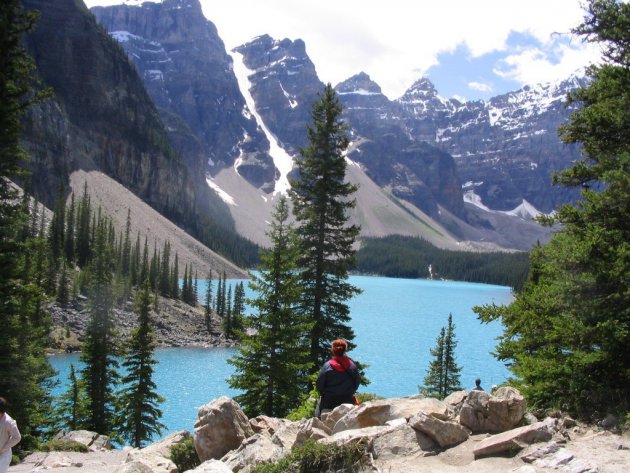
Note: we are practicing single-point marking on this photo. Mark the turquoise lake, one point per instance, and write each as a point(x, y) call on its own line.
point(396, 323)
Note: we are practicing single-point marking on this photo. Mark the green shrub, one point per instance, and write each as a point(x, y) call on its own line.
point(184, 455)
point(63, 446)
point(313, 457)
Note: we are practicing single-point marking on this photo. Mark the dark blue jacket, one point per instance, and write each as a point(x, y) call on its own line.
point(337, 382)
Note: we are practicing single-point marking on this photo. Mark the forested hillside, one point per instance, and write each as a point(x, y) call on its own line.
point(410, 257)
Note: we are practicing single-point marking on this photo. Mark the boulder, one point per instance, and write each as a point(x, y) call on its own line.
point(332, 417)
point(483, 412)
point(455, 401)
point(515, 439)
point(355, 435)
point(445, 433)
point(221, 426)
point(92, 440)
point(163, 446)
point(267, 424)
point(255, 450)
point(311, 429)
point(211, 466)
point(285, 436)
point(134, 467)
point(402, 441)
point(154, 461)
point(382, 411)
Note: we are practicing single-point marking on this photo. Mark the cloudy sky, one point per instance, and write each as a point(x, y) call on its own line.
point(469, 49)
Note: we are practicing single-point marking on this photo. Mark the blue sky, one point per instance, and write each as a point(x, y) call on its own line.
point(469, 50)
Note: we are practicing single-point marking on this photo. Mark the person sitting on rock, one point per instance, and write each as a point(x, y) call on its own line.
point(338, 378)
point(477, 385)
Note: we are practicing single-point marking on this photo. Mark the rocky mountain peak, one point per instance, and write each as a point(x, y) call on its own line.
point(361, 84)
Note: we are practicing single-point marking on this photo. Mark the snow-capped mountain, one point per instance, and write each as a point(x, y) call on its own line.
point(508, 146)
point(243, 114)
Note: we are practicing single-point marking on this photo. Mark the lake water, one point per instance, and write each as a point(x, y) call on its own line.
point(396, 323)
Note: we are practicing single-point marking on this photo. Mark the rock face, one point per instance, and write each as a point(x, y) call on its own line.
point(190, 78)
point(221, 427)
point(515, 439)
point(506, 148)
point(415, 170)
point(101, 118)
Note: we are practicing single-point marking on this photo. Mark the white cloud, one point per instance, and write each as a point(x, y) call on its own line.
point(482, 87)
point(534, 65)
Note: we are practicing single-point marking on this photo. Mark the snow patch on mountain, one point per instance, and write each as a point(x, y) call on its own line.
point(282, 160)
point(525, 211)
point(227, 198)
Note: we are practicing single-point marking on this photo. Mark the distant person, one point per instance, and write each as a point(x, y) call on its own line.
point(477, 385)
point(9, 436)
point(493, 389)
point(338, 378)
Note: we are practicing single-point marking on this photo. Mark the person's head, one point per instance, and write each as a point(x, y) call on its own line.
point(339, 347)
point(3, 405)
point(477, 381)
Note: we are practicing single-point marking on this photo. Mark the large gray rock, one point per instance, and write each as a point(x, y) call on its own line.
point(311, 429)
point(221, 426)
point(154, 461)
point(332, 417)
point(483, 412)
point(455, 401)
point(211, 466)
point(515, 439)
point(134, 467)
point(285, 436)
point(402, 441)
point(445, 433)
point(386, 410)
point(92, 440)
point(163, 446)
point(255, 450)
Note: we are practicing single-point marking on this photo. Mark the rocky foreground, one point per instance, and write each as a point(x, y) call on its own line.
point(467, 432)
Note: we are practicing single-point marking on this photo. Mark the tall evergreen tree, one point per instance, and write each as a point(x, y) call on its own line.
point(69, 243)
point(126, 247)
point(24, 369)
point(442, 376)
point(71, 413)
point(99, 349)
point(208, 301)
point(83, 240)
point(273, 362)
point(165, 271)
point(321, 198)
point(139, 413)
point(566, 335)
point(56, 232)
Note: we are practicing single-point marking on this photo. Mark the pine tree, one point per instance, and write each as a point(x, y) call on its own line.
point(84, 231)
point(208, 301)
point(126, 247)
point(71, 413)
point(566, 334)
point(443, 374)
point(174, 286)
point(321, 199)
point(227, 319)
point(99, 349)
point(69, 234)
point(56, 233)
point(272, 363)
point(139, 413)
point(24, 370)
point(165, 271)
